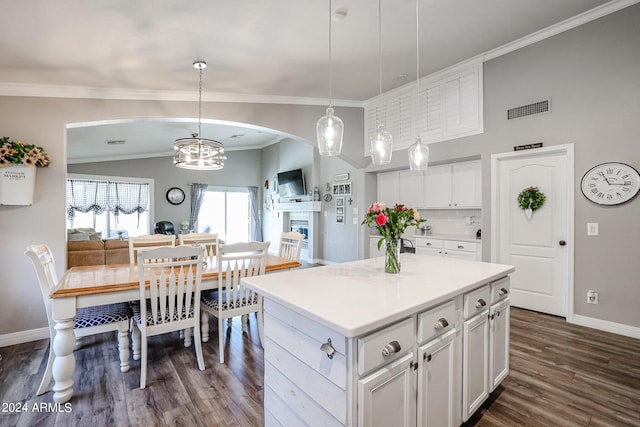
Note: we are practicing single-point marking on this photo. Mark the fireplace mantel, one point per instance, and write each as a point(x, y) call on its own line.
point(297, 207)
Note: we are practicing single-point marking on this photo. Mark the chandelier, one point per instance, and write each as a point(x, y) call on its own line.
point(329, 128)
point(196, 152)
point(382, 141)
point(418, 152)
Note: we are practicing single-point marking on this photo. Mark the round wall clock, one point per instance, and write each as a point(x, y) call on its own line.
point(610, 183)
point(175, 196)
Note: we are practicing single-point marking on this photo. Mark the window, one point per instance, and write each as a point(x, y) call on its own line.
point(225, 213)
point(114, 207)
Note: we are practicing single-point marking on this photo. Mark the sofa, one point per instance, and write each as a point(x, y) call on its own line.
point(97, 252)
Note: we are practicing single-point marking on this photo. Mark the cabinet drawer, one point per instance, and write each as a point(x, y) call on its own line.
point(371, 347)
point(476, 301)
point(436, 321)
point(460, 246)
point(500, 289)
point(422, 242)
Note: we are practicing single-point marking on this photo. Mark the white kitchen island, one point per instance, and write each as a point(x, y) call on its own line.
point(348, 344)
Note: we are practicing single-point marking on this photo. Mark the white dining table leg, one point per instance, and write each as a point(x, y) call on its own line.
point(64, 311)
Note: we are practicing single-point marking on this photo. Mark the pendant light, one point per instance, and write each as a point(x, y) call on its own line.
point(329, 128)
point(196, 152)
point(382, 141)
point(418, 152)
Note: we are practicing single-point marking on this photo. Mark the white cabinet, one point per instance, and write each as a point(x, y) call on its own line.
point(389, 188)
point(449, 248)
point(387, 396)
point(475, 351)
point(373, 247)
point(499, 321)
point(456, 185)
point(411, 191)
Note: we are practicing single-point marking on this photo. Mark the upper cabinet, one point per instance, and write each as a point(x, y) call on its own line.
point(451, 186)
point(457, 185)
point(449, 106)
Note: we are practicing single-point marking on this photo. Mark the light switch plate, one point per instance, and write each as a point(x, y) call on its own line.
point(592, 229)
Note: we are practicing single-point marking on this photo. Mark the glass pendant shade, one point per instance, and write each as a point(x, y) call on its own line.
point(329, 130)
point(418, 156)
point(381, 146)
point(198, 154)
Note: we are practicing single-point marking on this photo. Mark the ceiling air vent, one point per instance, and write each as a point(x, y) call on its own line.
point(529, 110)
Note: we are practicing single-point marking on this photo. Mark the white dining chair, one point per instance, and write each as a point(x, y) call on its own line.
point(169, 284)
point(88, 321)
point(290, 245)
point(232, 298)
point(148, 241)
point(209, 241)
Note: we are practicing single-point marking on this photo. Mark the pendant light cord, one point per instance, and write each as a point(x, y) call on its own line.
point(379, 56)
point(200, 106)
point(330, 61)
point(417, 66)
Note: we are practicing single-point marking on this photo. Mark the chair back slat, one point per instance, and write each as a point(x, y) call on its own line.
point(290, 245)
point(174, 277)
point(146, 242)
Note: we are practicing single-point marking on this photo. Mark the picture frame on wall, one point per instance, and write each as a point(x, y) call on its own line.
point(342, 188)
point(340, 210)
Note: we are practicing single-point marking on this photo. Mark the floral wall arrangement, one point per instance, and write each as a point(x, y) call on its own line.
point(21, 153)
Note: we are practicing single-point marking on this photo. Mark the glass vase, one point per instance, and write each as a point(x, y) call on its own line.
point(392, 256)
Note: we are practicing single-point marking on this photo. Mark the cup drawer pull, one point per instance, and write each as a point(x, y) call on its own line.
point(392, 348)
point(502, 292)
point(480, 303)
point(328, 348)
point(441, 323)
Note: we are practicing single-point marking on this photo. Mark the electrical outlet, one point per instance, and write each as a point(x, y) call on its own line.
point(592, 297)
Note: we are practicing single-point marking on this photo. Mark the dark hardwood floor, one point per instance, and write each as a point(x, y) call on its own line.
point(561, 375)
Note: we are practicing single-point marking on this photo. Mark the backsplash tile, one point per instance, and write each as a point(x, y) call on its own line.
point(452, 221)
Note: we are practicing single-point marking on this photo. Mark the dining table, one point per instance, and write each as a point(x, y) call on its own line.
point(87, 286)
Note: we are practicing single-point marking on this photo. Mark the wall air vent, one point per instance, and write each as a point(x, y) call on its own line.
point(529, 110)
point(115, 142)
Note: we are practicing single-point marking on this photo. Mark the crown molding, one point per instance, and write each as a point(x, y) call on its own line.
point(86, 92)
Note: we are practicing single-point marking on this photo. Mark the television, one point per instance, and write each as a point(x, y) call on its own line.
point(291, 184)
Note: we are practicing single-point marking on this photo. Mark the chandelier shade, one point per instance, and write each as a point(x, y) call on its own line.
point(381, 146)
point(329, 131)
point(381, 143)
point(329, 128)
point(198, 153)
point(418, 152)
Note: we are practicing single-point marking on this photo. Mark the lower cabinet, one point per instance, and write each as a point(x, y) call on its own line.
point(387, 397)
point(449, 248)
point(437, 391)
point(433, 368)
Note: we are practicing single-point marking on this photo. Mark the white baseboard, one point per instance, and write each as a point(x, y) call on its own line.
point(605, 325)
point(24, 336)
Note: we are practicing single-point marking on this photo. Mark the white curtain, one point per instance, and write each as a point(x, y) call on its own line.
point(197, 195)
point(255, 226)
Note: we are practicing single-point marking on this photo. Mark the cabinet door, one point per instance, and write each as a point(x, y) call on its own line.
point(388, 187)
point(429, 251)
point(412, 188)
point(499, 343)
point(436, 382)
point(466, 185)
point(387, 397)
point(438, 187)
point(475, 363)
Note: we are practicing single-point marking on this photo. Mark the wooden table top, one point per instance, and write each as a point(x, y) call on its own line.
point(98, 279)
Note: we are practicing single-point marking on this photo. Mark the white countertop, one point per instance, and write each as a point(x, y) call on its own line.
point(358, 297)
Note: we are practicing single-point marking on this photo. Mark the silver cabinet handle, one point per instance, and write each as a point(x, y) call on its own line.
point(328, 348)
point(460, 247)
point(441, 323)
point(392, 348)
point(480, 303)
point(428, 244)
point(502, 292)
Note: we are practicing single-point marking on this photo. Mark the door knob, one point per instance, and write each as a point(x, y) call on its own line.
point(562, 243)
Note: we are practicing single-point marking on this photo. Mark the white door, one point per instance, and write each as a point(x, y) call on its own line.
point(538, 246)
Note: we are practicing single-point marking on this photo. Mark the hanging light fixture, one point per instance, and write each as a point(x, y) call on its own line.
point(329, 128)
point(196, 152)
point(382, 141)
point(418, 152)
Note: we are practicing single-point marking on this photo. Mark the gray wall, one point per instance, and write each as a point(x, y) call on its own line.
point(242, 169)
point(591, 72)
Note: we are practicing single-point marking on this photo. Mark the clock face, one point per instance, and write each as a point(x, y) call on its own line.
point(175, 196)
point(610, 183)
